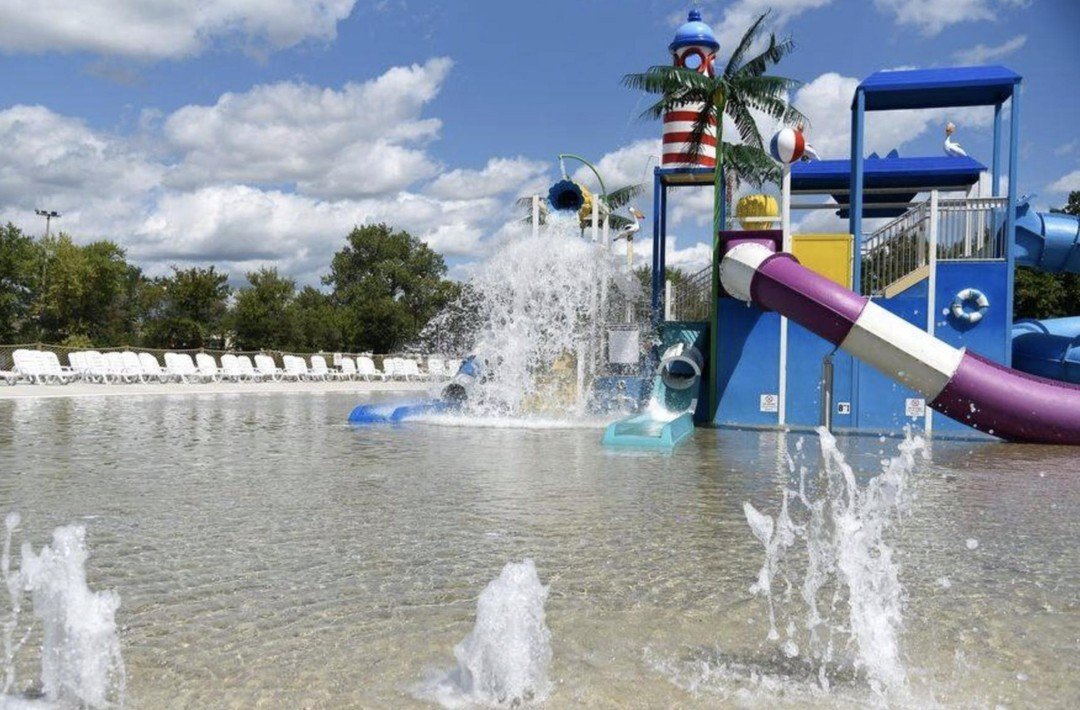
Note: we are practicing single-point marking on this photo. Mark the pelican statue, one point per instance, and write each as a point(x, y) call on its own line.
point(808, 150)
point(628, 233)
point(952, 148)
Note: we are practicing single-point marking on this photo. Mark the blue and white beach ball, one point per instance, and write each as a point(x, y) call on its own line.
point(787, 145)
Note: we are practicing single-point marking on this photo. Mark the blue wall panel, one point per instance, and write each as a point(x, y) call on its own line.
point(748, 367)
point(988, 336)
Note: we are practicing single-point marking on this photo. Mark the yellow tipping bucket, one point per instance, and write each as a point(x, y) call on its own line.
point(756, 206)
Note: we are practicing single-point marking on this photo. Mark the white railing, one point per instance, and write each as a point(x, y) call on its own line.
point(967, 228)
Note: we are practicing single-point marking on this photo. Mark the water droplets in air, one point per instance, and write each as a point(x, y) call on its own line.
point(531, 313)
point(840, 599)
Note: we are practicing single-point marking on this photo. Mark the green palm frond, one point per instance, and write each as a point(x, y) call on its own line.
point(772, 54)
point(750, 165)
point(735, 61)
point(621, 197)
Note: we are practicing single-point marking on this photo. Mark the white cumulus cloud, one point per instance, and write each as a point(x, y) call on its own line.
point(164, 29)
point(499, 176)
point(1066, 183)
point(364, 139)
point(932, 16)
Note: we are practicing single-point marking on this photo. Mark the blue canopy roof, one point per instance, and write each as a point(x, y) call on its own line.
point(938, 88)
point(909, 175)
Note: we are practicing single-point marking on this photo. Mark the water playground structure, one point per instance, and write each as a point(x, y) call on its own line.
point(905, 321)
point(871, 331)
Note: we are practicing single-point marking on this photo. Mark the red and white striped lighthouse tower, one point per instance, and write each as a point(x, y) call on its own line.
point(694, 47)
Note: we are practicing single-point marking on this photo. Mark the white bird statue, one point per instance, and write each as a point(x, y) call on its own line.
point(808, 153)
point(628, 233)
point(952, 148)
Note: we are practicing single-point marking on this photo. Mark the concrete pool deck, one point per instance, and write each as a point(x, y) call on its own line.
point(86, 389)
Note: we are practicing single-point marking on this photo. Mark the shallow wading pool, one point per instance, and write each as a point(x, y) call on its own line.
point(269, 555)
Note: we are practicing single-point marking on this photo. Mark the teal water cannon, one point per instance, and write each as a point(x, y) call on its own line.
point(679, 377)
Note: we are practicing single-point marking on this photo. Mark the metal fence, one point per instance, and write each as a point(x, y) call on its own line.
point(690, 298)
point(967, 229)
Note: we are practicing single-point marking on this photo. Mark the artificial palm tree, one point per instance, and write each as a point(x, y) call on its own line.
point(740, 90)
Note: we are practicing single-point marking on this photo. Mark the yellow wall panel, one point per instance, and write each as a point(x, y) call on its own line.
point(827, 254)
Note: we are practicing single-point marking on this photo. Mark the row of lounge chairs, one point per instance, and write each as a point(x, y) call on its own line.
point(43, 367)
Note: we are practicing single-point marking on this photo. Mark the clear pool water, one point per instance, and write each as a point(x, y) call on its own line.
point(268, 555)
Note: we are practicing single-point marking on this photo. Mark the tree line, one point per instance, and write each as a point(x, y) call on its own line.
point(382, 287)
point(1040, 295)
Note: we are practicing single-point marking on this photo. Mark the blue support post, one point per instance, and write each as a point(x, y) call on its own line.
point(855, 202)
point(995, 188)
point(855, 196)
point(1010, 216)
point(657, 248)
point(663, 247)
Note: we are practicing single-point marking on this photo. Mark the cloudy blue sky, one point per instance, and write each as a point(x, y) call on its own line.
point(257, 132)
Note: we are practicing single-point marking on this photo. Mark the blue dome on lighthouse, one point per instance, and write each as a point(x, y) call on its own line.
point(694, 33)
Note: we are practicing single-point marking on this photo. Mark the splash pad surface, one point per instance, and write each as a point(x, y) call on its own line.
point(266, 552)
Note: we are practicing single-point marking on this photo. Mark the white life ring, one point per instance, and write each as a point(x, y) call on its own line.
point(975, 297)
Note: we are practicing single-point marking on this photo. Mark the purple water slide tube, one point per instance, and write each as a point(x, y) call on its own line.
point(961, 385)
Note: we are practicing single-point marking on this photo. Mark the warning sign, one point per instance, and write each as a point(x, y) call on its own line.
point(770, 403)
point(914, 407)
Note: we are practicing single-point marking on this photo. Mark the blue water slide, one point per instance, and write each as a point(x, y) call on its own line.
point(1048, 348)
point(1047, 241)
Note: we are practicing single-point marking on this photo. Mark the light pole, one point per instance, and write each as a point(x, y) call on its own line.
point(49, 216)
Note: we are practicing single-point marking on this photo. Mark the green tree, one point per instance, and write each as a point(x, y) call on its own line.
point(1041, 295)
point(261, 316)
point(388, 285)
point(18, 256)
point(190, 309)
point(316, 322)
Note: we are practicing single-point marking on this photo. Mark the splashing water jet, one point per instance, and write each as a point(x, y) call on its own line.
point(532, 315)
point(504, 660)
point(81, 665)
point(842, 529)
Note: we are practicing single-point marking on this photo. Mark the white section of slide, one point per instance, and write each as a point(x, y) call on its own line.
point(902, 351)
point(739, 266)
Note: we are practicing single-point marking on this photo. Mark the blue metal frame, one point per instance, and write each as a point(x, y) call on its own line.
point(1010, 215)
point(858, 117)
point(663, 178)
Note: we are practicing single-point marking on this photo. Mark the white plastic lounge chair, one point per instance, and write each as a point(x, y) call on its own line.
point(247, 369)
point(181, 366)
point(208, 368)
point(411, 370)
point(119, 370)
point(320, 370)
point(264, 365)
point(365, 368)
point(78, 365)
point(132, 365)
point(51, 363)
point(151, 369)
point(348, 368)
point(27, 366)
point(230, 368)
point(295, 368)
point(97, 368)
point(390, 368)
point(436, 368)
